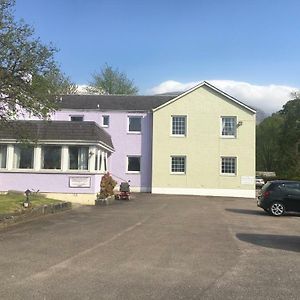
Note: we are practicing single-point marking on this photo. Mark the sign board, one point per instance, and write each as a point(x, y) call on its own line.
point(247, 179)
point(80, 182)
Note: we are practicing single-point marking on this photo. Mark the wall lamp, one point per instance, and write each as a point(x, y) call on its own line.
point(240, 123)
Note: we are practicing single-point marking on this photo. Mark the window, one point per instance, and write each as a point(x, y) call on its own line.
point(77, 118)
point(23, 157)
point(134, 124)
point(179, 125)
point(78, 158)
point(228, 127)
point(133, 164)
point(178, 164)
point(105, 162)
point(96, 161)
point(105, 121)
point(51, 157)
point(3, 155)
point(228, 165)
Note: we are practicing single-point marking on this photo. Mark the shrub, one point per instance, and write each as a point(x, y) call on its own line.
point(107, 186)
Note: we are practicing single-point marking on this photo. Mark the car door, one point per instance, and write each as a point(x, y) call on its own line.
point(292, 198)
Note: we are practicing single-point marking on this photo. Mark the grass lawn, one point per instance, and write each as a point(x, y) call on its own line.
point(13, 202)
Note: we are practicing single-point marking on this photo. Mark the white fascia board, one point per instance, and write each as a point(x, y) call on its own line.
point(65, 142)
point(213, 88)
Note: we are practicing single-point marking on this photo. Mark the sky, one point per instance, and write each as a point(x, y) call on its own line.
point(247, 48)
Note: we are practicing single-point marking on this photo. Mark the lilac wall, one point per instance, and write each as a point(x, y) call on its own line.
point(46, 182)
point(124, 143)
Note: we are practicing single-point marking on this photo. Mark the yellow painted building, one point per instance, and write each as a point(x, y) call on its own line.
point(204, 144)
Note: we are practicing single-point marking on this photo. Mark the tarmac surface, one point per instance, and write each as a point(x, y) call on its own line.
point(154, 247)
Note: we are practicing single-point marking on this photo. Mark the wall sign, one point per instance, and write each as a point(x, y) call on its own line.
point(247, 180)
point(80, 182)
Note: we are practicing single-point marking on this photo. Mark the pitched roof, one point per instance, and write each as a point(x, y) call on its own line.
point(205, 83)
point(55, 130)
point(113, 102)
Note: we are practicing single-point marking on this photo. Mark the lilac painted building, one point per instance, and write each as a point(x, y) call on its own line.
point(88, 136)
point(128, 120)
point(61, 159)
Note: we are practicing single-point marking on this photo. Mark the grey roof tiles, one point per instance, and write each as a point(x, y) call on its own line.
point(113, 102)
point(55, 130)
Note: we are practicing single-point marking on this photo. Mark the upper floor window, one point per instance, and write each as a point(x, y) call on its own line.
point(23, 157)
point(178, 164)
point(135, 124)
point(105, 121)
point(76, 118)
point(78, 158)
point(133, 163)
point(179, 125)
point(3, 155)
point(51, 157)
point(228, 126)
point(228, 165)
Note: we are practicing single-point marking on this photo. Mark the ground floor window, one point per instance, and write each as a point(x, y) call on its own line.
point(133, 163)
point(228, 165)
point(3, 155)
point(51, 157)
point(78, 158)
point(178, 164)
point(23, 157)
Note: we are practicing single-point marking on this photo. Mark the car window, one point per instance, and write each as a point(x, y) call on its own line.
point(292, 187)
point(266, 186)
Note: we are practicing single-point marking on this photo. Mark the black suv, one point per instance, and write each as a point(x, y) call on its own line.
point(279, 196)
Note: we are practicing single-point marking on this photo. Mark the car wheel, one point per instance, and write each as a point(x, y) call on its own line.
point(277, 209)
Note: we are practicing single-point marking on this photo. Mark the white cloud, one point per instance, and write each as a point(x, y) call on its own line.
point(81, 89)
point(269, 98)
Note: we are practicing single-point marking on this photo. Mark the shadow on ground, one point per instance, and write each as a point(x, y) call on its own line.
point(246, 211)
point(282, 242)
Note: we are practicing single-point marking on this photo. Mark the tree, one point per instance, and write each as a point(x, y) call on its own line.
point(29, 76)
point(278, 141)
point(267, 146)
point(111, 81)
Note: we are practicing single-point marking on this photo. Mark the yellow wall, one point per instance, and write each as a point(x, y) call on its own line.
point(203, 146)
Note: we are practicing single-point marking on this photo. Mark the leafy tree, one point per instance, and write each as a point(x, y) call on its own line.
point(267, 147)
point(111, 81)
point(29, 76)
point(278, 140)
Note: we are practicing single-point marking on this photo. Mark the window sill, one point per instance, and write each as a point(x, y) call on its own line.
point(67, 172)
point(228, 174)
point(133, 172)
point(178, 135)
point(228, 137)
point(177, 173)
point(104, 126)
point(134, 132)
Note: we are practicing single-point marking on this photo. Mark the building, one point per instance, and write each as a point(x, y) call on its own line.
point(206, 145)
point(61, 159)
point(201, 142)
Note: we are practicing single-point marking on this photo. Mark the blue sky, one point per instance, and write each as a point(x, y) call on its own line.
point(154, 42)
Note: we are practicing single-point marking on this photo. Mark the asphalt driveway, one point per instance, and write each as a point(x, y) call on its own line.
point(154, 247)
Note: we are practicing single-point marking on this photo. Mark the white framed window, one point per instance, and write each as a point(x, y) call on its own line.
point(178, 125)
point(23, 156)
point(105, 121)
point(78, 158)
point(134, 124)
point(51, 157)
point(76, 118)
point(178, 164)
point(228, 165)
point(133, 164)
point(228, 127)
point(3, 156)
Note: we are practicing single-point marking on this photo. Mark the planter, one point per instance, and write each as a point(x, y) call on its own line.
point(107, 201)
